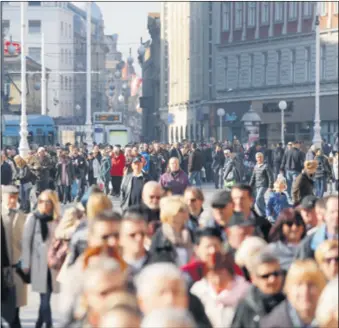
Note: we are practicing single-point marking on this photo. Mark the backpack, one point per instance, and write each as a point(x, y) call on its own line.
point(57, 253)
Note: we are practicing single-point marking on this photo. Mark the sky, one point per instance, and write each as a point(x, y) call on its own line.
point(129, 21)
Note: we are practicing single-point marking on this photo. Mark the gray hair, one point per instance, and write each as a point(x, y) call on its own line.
point(327, 304)
point(168, 318)
point(264, 256)
point(144, 281)
point(248, 248)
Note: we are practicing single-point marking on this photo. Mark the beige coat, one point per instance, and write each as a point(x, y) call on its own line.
point(14, 227)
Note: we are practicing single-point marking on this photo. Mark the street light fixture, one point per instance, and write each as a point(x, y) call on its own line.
point(221, 113)
point(282, 106)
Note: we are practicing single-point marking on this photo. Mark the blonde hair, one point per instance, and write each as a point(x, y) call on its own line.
point(119, 298)
point(19, 161)
point(97, 203)
point(323, 248)
point(170, 207)
point(54, 198)
point(248, 248)
point(278, 182)
point(310, 165)
point(306, 270)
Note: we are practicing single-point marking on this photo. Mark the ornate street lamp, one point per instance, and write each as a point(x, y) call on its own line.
point(141, 50)
point(221, 113)
point(282, 106)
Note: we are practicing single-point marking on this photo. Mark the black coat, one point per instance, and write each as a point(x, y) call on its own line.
point(218, 161)
point(197, 311)
point(195, 160)
point(293, 160)
point(261, 177)
point(262, 226)
point(6, 174)
point(252, 308)
point(4, 262)
point(69, 172)
point(302, 187)
point(277, 318)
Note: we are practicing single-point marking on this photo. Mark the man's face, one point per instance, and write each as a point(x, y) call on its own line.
point(132, 236)
point(145, 147)
point(309, 217)
point(41, 153)
point(116, 150)
point(320, 213)
point(167, 294)
point(134, 151)
point(222, 215)
point(75, 152)
point(268, 278)
point(13, 201)
point(331, 216)
point(152, 197)
point(137, 167)
point(259, 158)
point(173, 164)
point(237, 234)
point(242, 200)
point(156, 147)
point(194, 204)
point(329, 265)
point(104, 234)
point(207, 247)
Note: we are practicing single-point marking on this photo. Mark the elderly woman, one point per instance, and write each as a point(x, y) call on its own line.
point(220, 290)
point(37, 236)
point(285, 236)
point(303, 286)
point(327, 258)
point(172, 242)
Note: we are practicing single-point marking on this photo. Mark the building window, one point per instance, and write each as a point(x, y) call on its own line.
point(226, 16)
point(265, 64)
point(237, 67)
point(5, 26)
point(70, 83)
point(265, 12)
point(293, 60)
point(292, 10)
point(226, 71)
point(251, 13)
point(66, 83)
point(307, 8)
point(66, 30)
point(70, 57)
point(238, 14)
point(278, 11)
point(335, 7)
point(70, 31)
point(62, 55)
point(278, 66)
point(251, 69)
point(66, 56)
point(323, 62)
point(35, 53)
point(62, 28)
point(34, 26)
point(61, 82)
point(307, 64)
point(323, 8)
point(34, 3)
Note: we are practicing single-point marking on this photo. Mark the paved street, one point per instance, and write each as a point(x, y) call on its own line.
point(30, 312)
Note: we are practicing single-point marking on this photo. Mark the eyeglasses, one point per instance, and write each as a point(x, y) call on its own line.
point(155, 197)
point(113, 234)
point(45, 201)
point(329, 260)
point(133, 235)
point(267, 275)
point(193, 200)
point(290, 224)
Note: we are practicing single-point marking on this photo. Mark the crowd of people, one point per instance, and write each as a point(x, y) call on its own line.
point(262, 252)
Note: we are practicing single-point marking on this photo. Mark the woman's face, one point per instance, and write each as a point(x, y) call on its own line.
point(329, 264)
point(218, 279)
point(45, 205)
point(179, 220)
point(292, 231)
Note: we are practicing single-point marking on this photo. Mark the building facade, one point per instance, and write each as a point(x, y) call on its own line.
point(264, 53)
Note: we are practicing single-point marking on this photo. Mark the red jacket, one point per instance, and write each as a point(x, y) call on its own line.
point(117, 165)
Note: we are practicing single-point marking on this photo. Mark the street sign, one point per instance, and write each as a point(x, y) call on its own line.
point(108, 118)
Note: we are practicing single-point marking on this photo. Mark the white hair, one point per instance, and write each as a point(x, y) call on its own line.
point(144, 281)
point(247, 249)
point(168, 318)
point(327, 304)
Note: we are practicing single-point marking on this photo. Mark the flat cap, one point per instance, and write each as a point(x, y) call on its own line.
point(221, 198)
point(10, 189)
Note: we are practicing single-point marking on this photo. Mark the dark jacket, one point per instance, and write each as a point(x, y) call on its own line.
point(261, 177)
point(218, 161)
point(324, 169)
point(253, 307)
point(197, 311)
point(262, 226)
point(293, 160)
point(80, 166)
point(176, 152)
point(25, 175)
point(302, 186)
point(278, 318)
point(126, 189)
point(195, 160)
point(6, 174)
point(278, 155)
point(177, 182)
point(69, 172)
point(234, 170)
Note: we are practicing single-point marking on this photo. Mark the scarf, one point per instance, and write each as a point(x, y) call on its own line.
point(270, 301)
point(44, 219)
point(182, 239)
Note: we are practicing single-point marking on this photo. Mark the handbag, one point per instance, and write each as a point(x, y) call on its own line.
point(26, 277)
point(57, 254)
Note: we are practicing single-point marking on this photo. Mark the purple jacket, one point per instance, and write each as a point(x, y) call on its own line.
point(177, 183)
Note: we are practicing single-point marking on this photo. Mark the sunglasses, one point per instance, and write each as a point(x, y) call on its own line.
point(329, 260)
point(45, 201)
point(135, 234)
point(274, 273)
point(290, 224)
point(113, 234)
point(193, 200)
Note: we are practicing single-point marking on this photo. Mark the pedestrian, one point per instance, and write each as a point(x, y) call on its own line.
point(217, 166)
point(195, 164)
point(105, 170)
point(37, 238)
point(6, 170)
point(335, 168)
point(322, 174)
point(118, 162)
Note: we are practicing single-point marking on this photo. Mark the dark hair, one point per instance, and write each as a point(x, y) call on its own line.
point(197, 192)
point(221, 261)
point(286, 215)
point(244, 187)
point(135, 213)
point(207, 232)
point(105, 216)
point(321, 202)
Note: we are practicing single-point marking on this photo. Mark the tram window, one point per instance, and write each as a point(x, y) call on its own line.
point(50, 138)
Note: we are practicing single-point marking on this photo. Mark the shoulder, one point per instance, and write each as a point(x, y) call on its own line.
point(278, 317)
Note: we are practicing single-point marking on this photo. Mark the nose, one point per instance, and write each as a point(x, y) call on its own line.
point(112, 241)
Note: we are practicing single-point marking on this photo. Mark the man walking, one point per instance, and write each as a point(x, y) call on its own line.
point(195, 162)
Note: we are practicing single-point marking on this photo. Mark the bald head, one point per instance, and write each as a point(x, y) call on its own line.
point(151, 194)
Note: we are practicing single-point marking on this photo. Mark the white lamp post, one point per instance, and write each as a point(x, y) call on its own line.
point(282, 106)
point(317, 127)
point(221, 114)
point(43, 76)
point(23, 146)
point(89, 140)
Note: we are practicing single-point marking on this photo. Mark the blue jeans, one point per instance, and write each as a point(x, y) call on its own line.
point(195, 176)
point(319, 184)
point(260, 200)
point(291, 175)
point(45, 312)
point(24, 198)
